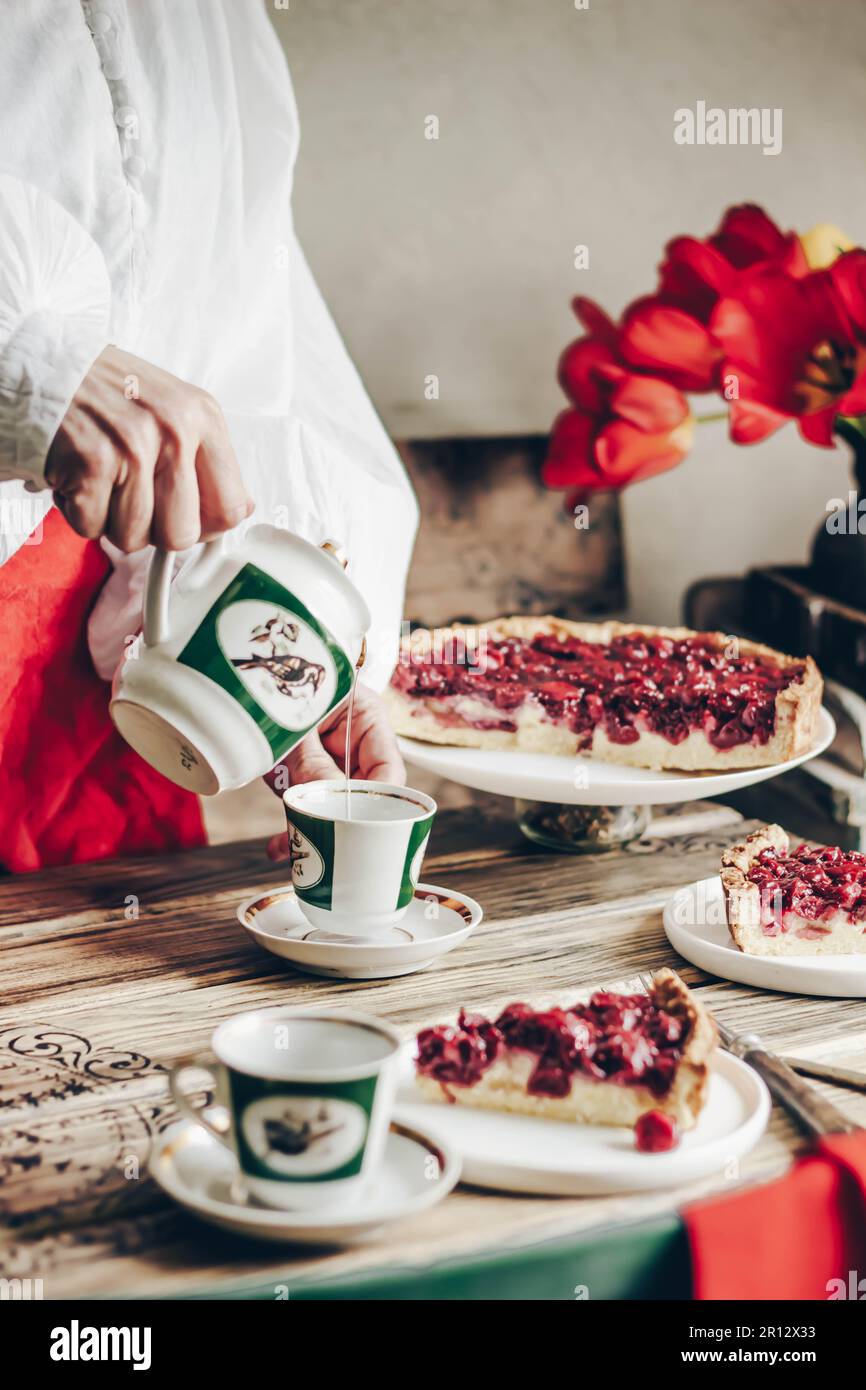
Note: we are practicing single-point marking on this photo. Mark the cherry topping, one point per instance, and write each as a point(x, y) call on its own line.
point(623, 1038)
point(656, 1133)
point(460, 1055)
point(813, 882)
point(557, 1037)
point(639, 681)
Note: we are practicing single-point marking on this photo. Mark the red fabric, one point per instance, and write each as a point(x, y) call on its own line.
point(788, 1239)
point(70, 789)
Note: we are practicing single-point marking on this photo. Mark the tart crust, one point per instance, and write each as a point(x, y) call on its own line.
point(590, 1102)
point(797, 706)
point(743, 906)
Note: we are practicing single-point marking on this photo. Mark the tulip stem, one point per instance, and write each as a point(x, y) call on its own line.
point(707, 419)
point(851, 428)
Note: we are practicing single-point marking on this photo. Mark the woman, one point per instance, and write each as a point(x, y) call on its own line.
point(166, 365)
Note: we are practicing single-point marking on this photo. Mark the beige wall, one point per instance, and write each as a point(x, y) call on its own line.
point(454, 257)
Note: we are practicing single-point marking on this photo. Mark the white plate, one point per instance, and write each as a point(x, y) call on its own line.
point(696, 926)
point(438, 919)
point(551, 777)
point(201, 1174)
point(515, 1153)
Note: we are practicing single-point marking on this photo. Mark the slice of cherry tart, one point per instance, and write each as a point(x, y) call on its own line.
point(808, 902)
point(605, 1062)
point(648, 697)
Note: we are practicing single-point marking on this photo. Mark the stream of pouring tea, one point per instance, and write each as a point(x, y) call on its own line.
point(350, 708)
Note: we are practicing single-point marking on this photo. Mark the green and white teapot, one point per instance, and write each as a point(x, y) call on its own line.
point(248, 650)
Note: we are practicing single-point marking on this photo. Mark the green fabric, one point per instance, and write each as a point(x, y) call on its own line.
point(648, 1260)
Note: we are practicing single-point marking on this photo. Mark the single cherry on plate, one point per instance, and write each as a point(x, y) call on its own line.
point(656, 1133)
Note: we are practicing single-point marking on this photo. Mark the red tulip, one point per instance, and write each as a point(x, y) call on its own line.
point(578, 373)
point(748, 237)
point(741, 311)
point(846, 278)
point(660, 338)
point(796, 348)
point(668, 332)
point(624, 426)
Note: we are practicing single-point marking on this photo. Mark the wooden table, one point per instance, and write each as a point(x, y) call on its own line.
point(111, 972)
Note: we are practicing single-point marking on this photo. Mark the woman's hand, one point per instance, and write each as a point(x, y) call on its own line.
point(373, 754)
point(142, 457)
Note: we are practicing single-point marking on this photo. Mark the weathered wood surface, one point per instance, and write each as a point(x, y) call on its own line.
point(97, 1002)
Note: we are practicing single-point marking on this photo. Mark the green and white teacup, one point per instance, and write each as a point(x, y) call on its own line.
point(307, 1098)
point(356, 852)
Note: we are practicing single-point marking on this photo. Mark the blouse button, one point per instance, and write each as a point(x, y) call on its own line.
point(134, 166)
point(100, 23)
point(126, 120)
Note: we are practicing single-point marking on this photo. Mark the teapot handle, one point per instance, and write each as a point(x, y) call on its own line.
point(157, 589)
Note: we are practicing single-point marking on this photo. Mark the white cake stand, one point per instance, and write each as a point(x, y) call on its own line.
point(583, 804)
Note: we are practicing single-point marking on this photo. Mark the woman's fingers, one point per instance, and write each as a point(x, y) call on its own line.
point(176, 524)
point(141, 455)
point(378, 752)
point(307, 763)
point(374, 755)
point(224, 500)
point(131, 509)
point(83, 467)
point(278, 846)
point(310, 762)
point(374, 752)
point(378, 756)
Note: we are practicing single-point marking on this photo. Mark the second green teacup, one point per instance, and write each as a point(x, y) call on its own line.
point(307, 1097)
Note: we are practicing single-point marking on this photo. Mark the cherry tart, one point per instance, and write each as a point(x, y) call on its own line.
point(646, 696)
point(605, 1062)
point(809, 902)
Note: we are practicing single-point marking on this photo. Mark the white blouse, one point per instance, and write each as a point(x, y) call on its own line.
point(145, 200)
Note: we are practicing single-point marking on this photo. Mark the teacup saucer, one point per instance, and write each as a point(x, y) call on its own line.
point(436, 922)
point(201, 1174)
